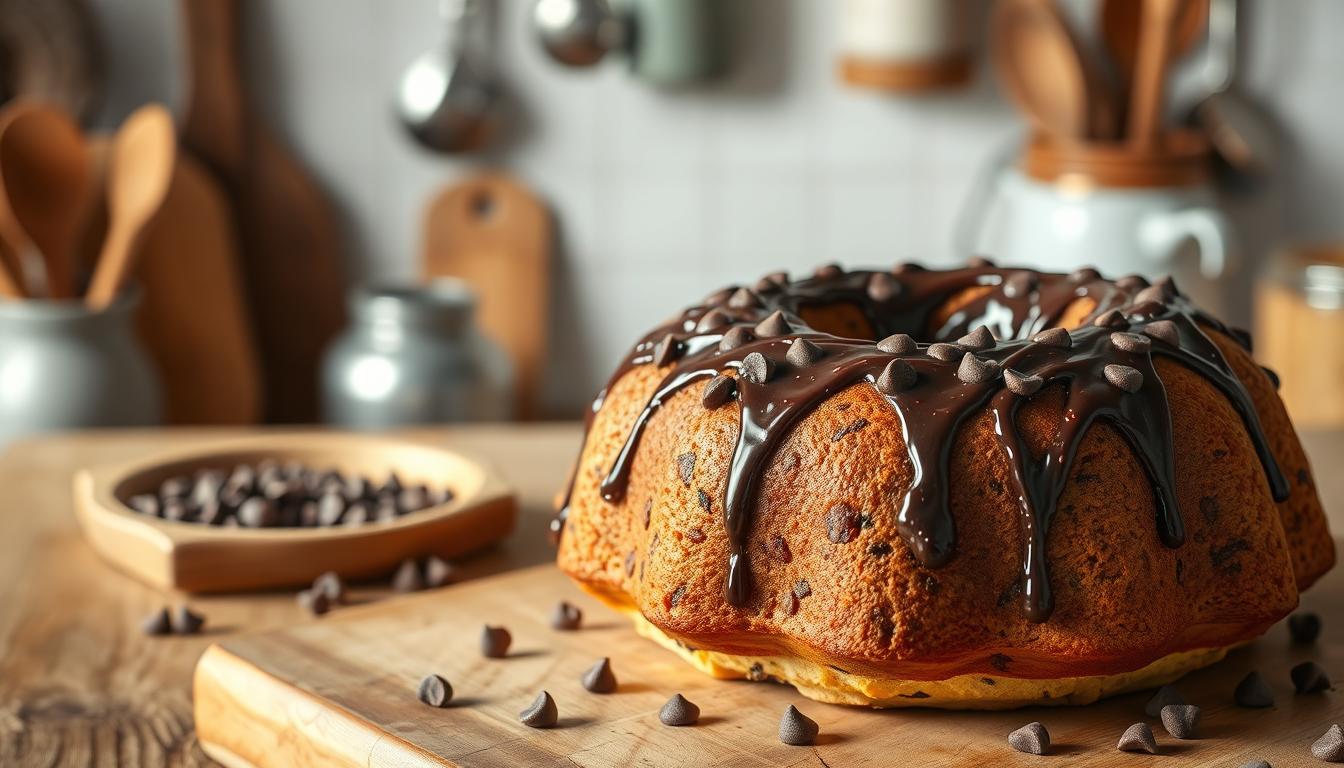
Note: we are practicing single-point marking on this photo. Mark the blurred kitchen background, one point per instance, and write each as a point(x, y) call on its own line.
point(658, 194)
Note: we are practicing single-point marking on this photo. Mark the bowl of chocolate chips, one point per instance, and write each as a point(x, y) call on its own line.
point(279, 510)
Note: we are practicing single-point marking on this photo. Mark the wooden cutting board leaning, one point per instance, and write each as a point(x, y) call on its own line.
point(341, 691)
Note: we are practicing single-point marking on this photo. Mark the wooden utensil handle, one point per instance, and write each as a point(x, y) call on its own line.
point(1150, 75)
point(213, 124)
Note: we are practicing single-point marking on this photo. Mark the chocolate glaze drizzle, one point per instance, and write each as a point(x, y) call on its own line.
point(1106, 366)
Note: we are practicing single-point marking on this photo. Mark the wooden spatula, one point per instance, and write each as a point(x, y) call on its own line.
point(494, 233)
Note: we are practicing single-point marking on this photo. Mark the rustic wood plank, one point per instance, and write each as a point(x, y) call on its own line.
point(322, 692)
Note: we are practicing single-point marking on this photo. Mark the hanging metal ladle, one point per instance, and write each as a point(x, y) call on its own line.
point(448, 96)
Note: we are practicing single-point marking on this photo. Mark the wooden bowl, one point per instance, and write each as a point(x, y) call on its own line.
point(201, 558)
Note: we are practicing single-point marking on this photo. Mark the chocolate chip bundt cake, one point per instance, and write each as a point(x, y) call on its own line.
point(976, 488)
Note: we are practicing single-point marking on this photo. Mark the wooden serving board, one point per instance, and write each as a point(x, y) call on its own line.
point(340, 691)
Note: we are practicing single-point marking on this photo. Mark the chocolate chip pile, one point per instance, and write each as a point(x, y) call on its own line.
point(290, 495)
point(1181, 719)
point(179, 621)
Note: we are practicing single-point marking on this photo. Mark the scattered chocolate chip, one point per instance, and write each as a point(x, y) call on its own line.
point(1131, 342)
point(668, 349)
point(1181, 720)
point(848, 429)
point(408, 577)
point(566, 616)
point(978, 340)
point(744, 298)
point(435, 691)
point(897, 376)
point(439, 572)
point(186, 622)
point(797, 729)
point(1019, 284)
point(599, 677)
point(1138, 738)
point(703, 499)
point(974, 370)
point(734, 338)
point(803, 353)
point(1111, 318)
point(718, 391)
point(883, 287)
point(1330, 747)
point(678, 712)
point(1309, 677)
point(1164, 696)
point(774, 325)
point(1123, 377)
point(712, 321)
point(897, 344)
point(945, 352)
point(1031, 738)
point(1054, 337)
point(495, 642)
point(1304, 627)
point(1253, 692)
point(686, 466)
point(541, 713)
point(314, 602)
point(1256, 764)
point(757, 368)
point(157, 623)
point(674, 597)
point(1164, 331)
point(779, 549)
point(842, 524)
point(801, 589)
point(1022, 384)
point(1084, 275)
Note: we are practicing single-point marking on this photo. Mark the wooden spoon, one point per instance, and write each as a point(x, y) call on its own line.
point(1150, 72)
point(1121, 21)
point(139, 171)
point(49, 188)
point(1047, 73)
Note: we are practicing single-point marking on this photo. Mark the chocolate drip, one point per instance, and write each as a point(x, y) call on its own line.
point(1105, 365)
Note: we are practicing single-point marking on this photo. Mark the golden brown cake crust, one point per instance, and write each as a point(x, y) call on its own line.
point(860, 603)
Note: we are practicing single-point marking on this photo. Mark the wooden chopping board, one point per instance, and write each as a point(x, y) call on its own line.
point(289, 243)
point(340, 691)
point(494, 233)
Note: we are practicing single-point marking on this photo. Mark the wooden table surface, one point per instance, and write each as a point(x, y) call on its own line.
point(79, 684)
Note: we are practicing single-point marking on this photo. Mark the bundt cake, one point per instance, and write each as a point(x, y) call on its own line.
point(980, 488)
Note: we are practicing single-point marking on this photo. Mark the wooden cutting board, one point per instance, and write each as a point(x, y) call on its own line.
point(340, 691)
point(494, 233)
point(289, 243)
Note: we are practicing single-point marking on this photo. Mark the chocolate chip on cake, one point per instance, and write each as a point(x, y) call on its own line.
point(897, 376)
point(897, 344)
point(775, 324)
point(718, 391)
point(842, 524)
point(973, 370)
point(439, 572)
point(1138, 738)
point(712, 321)
point(599, 677)
point(1131, 342)
point(1084, 275)
point(1330, 747)
point(744, 298)
point(1304, 627)
point(1054, 337)
point(979, 262)
point(978, 340)
point(1111, 318)
point(408, 578)
point(1309, 677)
point(1166, 695)
point(757, 368)
point(1031, 738)
point(1022, 384)
point(883, 287)
point(566, 616)
point(541, 713)
point(435, 691)
point(186, 622)
point(945, 352)
point(1164, 331)
point(1181, 720)
point(495, 642)
point(734, 338)
point(157, 623)
point(666, 351)
point(686, 466)
point(803, 353)
point(1123, 377)
point(797, 729)
point(678, 712)
point(1019, 284)
point(1253, 692)
point(1152, 293)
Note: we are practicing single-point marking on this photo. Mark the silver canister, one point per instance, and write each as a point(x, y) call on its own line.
point(65, 366)
point(413, 355)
